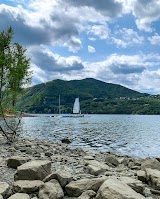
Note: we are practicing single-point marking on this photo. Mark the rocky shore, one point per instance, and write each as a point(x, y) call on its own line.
point(34, 169)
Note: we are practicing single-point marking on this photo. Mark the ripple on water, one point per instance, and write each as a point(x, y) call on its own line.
point(134, 135)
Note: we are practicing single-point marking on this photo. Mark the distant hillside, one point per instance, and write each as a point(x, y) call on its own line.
point(43, 98)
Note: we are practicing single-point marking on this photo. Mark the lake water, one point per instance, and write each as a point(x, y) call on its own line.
point(134, 135)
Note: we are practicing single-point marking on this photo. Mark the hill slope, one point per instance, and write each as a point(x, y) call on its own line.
point(43, 98)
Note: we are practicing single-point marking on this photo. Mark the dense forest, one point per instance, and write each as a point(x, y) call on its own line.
point(96, 97)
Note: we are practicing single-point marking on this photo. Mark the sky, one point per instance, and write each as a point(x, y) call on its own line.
point(115, 41)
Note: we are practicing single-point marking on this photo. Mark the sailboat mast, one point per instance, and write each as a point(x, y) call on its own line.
point(59, 104)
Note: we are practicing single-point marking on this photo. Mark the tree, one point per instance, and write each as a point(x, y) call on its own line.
point(14, 76)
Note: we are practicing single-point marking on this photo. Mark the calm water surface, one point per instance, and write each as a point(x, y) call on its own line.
point(134, 135)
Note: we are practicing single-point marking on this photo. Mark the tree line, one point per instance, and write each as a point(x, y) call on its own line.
point(14, 76)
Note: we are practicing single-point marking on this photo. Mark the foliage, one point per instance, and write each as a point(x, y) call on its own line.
point(14, 75)
point(96, 97)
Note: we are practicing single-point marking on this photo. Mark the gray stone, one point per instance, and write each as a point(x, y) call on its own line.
point(63, 177)
point(113, 188)
point(4, 188)
point(87, 194)
point(16, 161)
point(141, 175)
point(19, 196)
point(34, 170)
point(150, 163)
point(76, 188)
point(51, 190)
point(111, 160)
point(153, 177)
point(27, 186)
point(135, 184)
point(1, 197)
point(96, 168)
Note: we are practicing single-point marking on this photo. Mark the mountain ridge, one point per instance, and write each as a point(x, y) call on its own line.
point(95, 96)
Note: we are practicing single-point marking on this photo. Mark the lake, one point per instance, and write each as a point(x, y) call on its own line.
point(133, 135)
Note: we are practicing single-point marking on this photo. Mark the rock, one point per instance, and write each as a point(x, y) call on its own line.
point(66, 140)
point(33, 170)
point(113, 188)
point(147, 192)
point(51, 190)
point(76, 188)
point(87, 194)
point(16, 161)
point(19, 196)
point(1, 197)
point(150, 163)
point(27, 186)
point(123, 160)
point(112, 160)
point(96, 168)
point(153, 177)
point(4, 188)
point(63, 177)
point(88, 157)
point(141, 175)
point(135, 184)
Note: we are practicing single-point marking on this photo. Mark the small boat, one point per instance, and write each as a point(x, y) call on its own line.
point(76, 109)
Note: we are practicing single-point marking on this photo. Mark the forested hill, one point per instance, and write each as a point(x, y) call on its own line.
point(95, 97)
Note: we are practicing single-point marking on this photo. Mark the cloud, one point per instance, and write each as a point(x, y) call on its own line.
point(111, 8)
point(146, 12)
point(50, 62)
point(102, 31)
point(155, 40)
point(91, 49)
point(126, 37)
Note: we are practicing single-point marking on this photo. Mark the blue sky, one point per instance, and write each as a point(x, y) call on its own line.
point(116, 41)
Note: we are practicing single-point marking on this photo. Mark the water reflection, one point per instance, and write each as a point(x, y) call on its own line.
point(134, 135)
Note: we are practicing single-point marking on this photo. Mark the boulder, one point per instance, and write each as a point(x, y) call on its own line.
point(63, 177)
point(141, 175)
point(95, 168)
point(51, 190)
point(16, 161)
point(111, 160)
point(76, 188)
point(153, 177)
point(4, 188)
point(87, 194)
point(19, 196)
point(66, 140)
point(135, 184)
point(33, 170)
point(27, 186)
point(150, 163)
point(113, 188)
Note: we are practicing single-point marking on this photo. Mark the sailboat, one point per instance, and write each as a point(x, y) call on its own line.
point(76, 109)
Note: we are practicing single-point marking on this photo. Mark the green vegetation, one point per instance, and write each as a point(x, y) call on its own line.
point(96, 97)
point(14, 75)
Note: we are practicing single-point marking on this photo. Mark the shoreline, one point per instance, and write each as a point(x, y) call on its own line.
point(80, 164)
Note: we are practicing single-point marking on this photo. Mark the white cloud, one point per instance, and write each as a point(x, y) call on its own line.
point(91, 49)
point(126, 37)
point(146, 12)
point(102, 31)
point(92, 38)
point(155, 40)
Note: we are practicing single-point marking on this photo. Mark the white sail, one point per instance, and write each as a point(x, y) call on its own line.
point(76, 107)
